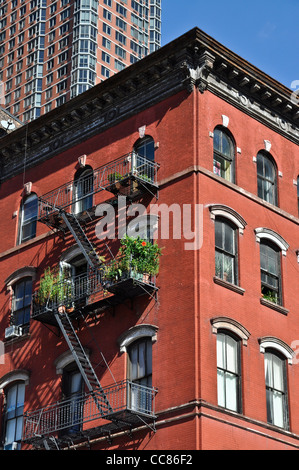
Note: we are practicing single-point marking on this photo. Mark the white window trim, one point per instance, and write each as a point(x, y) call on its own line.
point(135, 333)
point(229, 324)
point(268, 234)
point(228, 213)
point(65, 359)
point(14, 376)
point(277, 344)
point(27, 271)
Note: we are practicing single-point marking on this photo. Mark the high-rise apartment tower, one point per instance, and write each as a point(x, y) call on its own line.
point(53, 50)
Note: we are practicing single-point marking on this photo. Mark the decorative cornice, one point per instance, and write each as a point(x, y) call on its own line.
point(194, 60)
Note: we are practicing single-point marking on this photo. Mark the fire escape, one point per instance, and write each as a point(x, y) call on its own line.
point(121, 405)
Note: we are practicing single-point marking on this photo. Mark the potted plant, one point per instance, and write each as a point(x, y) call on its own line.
point(142, 256)
point(137, 258)
point(53, 288)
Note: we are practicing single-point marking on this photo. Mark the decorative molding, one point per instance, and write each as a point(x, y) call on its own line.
point(268, 145)
point(82, 161)
point(219, 210)
point(225, 121)
point(27, 188)
point(14, 376)
point(276, 343)
point(266, 233)
point(232, 325)
point(137, 332)
point(274, 306)
point(228, 285)
point(141, 131)
point(26, 271)
point(65, 359)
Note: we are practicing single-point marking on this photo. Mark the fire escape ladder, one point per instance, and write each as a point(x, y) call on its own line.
point(82, 240)
point(86, 369)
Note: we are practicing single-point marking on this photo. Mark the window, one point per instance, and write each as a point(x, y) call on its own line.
point(276, 389)
point(145, 147)
point(28, 218)
point(72, 388)
point(224, 155)
point(266, 178)
point(140, 375)
point(13, 416)
point(144, 155)
point(83, 190)
point(226, 251)
point(270, 271)
point(298, 194)
point(21, 302)
point(228, 372)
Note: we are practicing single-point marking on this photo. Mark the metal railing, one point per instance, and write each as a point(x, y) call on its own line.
point(68, 292)
point(78, 195)
point(88, 287)
point(72, 413)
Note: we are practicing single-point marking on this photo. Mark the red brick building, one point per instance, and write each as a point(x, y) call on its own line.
point(201, 355)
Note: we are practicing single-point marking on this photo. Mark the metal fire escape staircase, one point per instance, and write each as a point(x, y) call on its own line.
point(84, 365)
point(54, 212)
point(82, 240)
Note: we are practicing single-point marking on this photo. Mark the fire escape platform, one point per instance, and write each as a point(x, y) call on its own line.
point(78, 419)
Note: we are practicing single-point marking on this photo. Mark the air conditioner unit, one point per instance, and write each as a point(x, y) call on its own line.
point(13, 331)
point(12, 446)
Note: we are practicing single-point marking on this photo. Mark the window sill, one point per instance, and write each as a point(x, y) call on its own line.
point(228, 285)
point(278, 308)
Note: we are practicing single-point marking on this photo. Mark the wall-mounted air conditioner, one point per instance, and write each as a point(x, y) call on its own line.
point(13, 331)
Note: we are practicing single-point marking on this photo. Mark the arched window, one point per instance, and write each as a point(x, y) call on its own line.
point(83, 190)
point(226, 250)
point(21, 303)
point(72, 389)
point(270, 258)
point(228, 371)
point(140, 375)
point(13, 415)
point(145, 147)
point(143, 159)
point(276, 388)
point(28, 218)
point(224, 154)
point(267, 178)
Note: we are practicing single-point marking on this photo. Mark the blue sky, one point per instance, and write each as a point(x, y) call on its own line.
point(264, 32)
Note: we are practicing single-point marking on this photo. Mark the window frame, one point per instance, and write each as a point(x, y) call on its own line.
point(139, 399)
point(226, 372)
point(220, 157)
point(268, 291)
point(262, 157)
point(234, 255)
point(21, 311)
point(15, 415)
point(83, 200)
point(30, 222)
point(271, 391)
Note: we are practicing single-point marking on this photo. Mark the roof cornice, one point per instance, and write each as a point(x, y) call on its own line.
point(194, 60)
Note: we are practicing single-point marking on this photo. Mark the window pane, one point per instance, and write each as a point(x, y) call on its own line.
point(142, 370)
point(218, 234)
point(226, 146)
point(220, 351)
point(220, 388)
point(232, 354)
point(231, 385)
point(278, 406)
point(278, 365)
